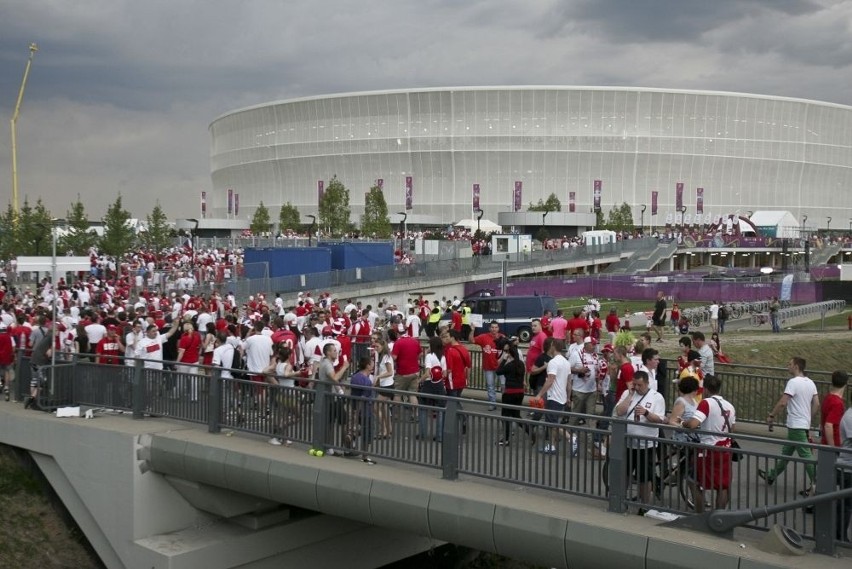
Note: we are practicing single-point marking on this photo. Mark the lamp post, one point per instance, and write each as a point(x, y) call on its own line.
point(828, 225)
point(311, 229)
point(479, 214)
point(194, 241)
point(683, 216)
point(642, 217)
point(402, 227)
point(804, 221)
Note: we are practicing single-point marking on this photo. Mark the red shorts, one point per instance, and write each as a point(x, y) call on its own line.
point(207, 359)
point(713, 467)
point(258, 378)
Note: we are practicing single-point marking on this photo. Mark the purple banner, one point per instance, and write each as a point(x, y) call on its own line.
point(572, 202)
point(475, 197)
point(236, 205)
point(679, 196)
point(598, 187)
point(516, 197)
point(380, 183)
point(230, 201)
point(320, 191)
point(203, 204)
point(409, 192)
point(654, 195)
point(699, 201)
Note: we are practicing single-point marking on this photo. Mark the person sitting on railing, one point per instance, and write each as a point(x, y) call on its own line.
point(713, 466)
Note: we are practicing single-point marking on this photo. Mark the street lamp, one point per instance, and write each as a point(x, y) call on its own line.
point(804, 221)
point(828, 228)
point(480, 213)
point(193, 239)
point(311, 229)
point(642, 217)
point(402, 227)
point(683, 216)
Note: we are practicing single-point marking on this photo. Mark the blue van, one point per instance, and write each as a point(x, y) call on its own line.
point(514, 313)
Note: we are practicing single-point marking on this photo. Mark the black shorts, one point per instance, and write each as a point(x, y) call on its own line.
point(642, 463)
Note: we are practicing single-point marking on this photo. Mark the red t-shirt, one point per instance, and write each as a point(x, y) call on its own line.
point(190, 343)
point(535, 349)
point(406, 352)
point(625, 378)
point(458, 361)
point(613, 323)
point(831, 413)
point(489, 350)
point(109, 350)
point(578, 323)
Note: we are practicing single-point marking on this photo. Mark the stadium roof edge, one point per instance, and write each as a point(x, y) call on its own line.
point(530, 87)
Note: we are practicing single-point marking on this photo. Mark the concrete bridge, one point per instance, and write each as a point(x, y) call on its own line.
point(162, 493)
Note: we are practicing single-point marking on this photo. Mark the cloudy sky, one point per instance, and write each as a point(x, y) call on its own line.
point(121, 93)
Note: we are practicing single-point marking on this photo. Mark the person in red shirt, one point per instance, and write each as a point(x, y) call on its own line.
point(7, 358)
point(832, 409)
point(545, 323)
point(456, 320)
point(110, 349)
point(487, 341)
point(579, 321)
point(536, 346)
point(613, 324)
point(458, 363)
point(406, 357)
point(624, 378)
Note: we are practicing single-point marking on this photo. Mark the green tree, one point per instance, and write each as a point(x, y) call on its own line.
point(551, 204)
point(79, 237)
point(289, 218)
point(600, 222)
point(620, 218)
point(119, 236)
point(8, 234)
point(32, 231)
point(261, 223)
point(375, 221)
point(334, 210)
point(157, 235)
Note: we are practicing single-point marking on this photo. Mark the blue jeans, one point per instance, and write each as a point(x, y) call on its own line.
point(773, 317)
point(490, 378)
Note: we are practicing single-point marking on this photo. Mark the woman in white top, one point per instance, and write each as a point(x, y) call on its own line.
point(384, 379)
point(281, 372)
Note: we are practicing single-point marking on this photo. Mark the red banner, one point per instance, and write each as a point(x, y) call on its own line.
point(230, 201)
point(203, 204)
point(517, 196)
point(236, 205)
point(572, 202)
point(679, 196)
point(598, 188)
point(409, 192)
point(475, 197)
point(320, 191)
point(654, 196)
point(699, 200)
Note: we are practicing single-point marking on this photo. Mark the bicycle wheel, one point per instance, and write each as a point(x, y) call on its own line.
point(605, 475)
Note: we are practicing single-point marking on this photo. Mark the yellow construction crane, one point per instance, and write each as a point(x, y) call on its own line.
point(33, 49)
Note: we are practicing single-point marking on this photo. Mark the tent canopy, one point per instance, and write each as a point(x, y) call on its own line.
point(485, 225)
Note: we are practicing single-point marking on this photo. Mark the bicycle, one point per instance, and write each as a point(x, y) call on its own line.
point(759, 319)
point(673, 469)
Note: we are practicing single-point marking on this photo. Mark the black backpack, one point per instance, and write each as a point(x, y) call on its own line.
point(238, 366)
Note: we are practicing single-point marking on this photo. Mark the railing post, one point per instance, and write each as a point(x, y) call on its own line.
point(451, 440)
point(617, 458)
point(320, 412)
point(825, 512)
point(137, 391)
point(214, 401)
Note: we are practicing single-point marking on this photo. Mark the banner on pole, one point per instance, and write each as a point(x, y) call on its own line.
point(699, 201)
point(203, 204)
point(654, 196)
point(679, 196)
point(230, 201)
point(236, 205)
point(475, 197)
point(409, 192)
point(598, 188)
point(516, 197)
point(320, 191)
point(572, 202)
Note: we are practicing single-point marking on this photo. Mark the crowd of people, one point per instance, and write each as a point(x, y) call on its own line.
point(315, 343)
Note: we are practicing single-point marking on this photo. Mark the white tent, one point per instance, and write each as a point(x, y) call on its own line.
point(485, 225)
point(775, 223)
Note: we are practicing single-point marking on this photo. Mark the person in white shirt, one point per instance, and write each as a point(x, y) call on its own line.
point(223, 354)
point(650, 362)
point(714, 317)
point(130, 341)
point(642, 407)
point(557, 389)
point(150, 348)
point(801, 399)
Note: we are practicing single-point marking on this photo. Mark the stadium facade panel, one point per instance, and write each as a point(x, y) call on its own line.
point(747, 152)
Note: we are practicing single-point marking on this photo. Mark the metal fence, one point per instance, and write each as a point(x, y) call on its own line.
point(459, 437)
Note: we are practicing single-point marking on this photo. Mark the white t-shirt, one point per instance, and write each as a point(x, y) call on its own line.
point(710, 415)
point(801, 391)
point(560, 369)
point(655, 404)
point(430, 360)
point(224, 356)
point(258, 350)
point(385, 364)
point(714, 310)
point(151, 350)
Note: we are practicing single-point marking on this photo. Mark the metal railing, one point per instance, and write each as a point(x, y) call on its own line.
point(459, 437)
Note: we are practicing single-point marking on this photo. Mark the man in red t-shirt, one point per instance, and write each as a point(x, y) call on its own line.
point(490, 353)
point(406, 356)
point(832, 409)
point(546, 327)
point(624, 379)
point(458, 363)
point(7, 357)
point(579, 321)
point(110, 349)
point(536, 346)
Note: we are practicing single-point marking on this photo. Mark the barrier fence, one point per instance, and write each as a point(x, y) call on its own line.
point(458, 437)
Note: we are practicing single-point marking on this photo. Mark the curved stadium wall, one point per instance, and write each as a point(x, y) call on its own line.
point(747, 152)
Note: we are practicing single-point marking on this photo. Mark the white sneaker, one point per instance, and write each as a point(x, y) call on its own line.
point(276, 441)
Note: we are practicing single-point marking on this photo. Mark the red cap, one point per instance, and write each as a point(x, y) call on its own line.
point(436, 373)
point(327, 331)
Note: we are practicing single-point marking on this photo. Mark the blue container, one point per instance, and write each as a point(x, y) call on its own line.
point(359, 254)
point(288, 261)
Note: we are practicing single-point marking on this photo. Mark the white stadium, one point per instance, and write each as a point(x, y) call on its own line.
point(722, 153)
